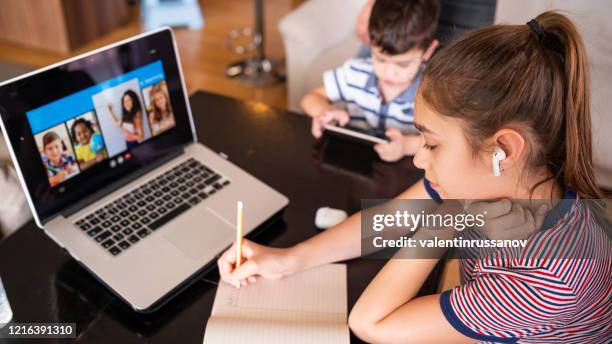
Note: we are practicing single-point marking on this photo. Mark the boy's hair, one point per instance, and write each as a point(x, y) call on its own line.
point(83, 121)
point(533, 78)
point(396, 26)
point(51, 137)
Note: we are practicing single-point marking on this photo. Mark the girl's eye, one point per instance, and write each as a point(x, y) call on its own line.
point(428, 147)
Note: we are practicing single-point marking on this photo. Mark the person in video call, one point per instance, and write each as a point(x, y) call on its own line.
point(161, 116)
point(523, 90)
point(87, 152)
point(379, 92)
point(130, 123)
point(60, 164)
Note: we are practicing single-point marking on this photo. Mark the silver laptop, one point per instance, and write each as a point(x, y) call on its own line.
point(106, 150)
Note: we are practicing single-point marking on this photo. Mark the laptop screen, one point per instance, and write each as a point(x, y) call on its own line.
point(82, 125)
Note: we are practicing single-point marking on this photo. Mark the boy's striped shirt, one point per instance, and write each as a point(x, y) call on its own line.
point(355, 84)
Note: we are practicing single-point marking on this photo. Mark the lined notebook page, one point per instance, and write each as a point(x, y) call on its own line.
point(307, 307)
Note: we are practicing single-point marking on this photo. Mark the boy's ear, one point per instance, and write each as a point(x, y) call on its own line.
point(431, 49)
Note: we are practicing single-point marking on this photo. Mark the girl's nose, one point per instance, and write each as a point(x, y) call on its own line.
point(420, 158)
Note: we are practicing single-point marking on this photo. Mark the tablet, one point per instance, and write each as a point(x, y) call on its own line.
point(357, 134)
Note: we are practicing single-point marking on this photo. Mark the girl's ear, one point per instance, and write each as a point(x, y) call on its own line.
point(431, 49)
point(513, 144)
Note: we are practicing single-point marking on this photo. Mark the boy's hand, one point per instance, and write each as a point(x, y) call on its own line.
point(393, 150)
point(328, 117)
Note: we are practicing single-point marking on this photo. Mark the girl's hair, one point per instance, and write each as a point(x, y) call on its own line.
point(51, 137)
point(157, 113)
point(83, 121)
point(128, 116)
point(533, 78)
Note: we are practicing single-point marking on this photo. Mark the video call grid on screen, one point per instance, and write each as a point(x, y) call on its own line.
point(83, 129)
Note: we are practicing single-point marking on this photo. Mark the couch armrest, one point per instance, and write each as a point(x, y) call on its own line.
point(310, 31)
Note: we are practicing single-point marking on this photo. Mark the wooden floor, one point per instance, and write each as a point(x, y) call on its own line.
point(204, 56)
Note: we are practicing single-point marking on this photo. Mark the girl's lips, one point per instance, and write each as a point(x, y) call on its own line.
point(433, 185)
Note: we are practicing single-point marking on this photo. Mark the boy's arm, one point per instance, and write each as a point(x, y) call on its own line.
point(315, 102)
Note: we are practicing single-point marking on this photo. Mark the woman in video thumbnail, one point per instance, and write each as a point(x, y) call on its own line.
point(161, 116)
point(131, 119)
point(89, 147)
point(59, 163)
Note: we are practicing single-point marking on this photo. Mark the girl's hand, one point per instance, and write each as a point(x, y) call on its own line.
point(328, 117)
point(507, 220)
point(257, 260)
point(394, 149)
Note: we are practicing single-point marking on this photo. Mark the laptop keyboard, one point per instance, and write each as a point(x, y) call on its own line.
point(128, 220)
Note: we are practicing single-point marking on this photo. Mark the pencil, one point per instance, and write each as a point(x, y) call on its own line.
point(239, 235)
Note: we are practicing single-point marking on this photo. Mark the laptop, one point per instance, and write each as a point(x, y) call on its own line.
point(106, 150)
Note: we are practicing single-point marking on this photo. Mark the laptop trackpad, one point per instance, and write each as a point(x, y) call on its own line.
point(197, 235)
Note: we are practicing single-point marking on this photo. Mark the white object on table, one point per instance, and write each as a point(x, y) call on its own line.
point(327, 217)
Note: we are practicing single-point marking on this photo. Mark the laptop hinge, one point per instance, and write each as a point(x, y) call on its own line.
point(85, 202)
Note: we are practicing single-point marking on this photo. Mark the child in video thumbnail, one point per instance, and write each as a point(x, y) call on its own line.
point(60, 164)
point(89, 145)
point(160, 110)
point(130, 123)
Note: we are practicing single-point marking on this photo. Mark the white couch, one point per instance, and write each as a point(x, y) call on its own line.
point(320, 35)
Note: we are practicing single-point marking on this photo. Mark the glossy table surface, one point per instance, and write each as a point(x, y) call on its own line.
point(45, 285)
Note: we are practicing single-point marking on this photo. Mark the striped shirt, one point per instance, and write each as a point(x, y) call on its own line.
point(355, 84)
point(532, 295)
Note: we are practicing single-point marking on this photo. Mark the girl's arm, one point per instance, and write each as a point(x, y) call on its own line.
point(338, 243)
point(113, 117)
point(138, 127)
point(388, 312)
point(343, 241)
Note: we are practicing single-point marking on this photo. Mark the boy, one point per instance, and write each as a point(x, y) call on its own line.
point(379, 92)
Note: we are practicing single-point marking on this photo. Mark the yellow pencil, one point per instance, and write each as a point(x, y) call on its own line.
point(239, 235)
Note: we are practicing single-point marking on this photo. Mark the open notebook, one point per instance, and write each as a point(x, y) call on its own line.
point(308, 307)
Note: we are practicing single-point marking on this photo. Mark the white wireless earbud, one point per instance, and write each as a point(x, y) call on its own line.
point(498, 156)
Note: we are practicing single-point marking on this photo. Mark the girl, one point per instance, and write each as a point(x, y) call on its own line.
point(522, 90)
point(161, 116)
point(82, 132)
point(131, 119)
point(59, 163)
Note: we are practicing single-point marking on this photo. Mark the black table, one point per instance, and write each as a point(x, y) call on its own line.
point(46, 285)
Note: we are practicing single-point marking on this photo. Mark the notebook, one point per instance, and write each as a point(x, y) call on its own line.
point(308, 307)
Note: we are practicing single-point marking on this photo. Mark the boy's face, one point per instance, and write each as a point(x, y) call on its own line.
point(396, 71)
point(53, 150)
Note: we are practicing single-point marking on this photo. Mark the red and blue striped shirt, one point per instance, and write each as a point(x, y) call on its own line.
point(556, 290)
